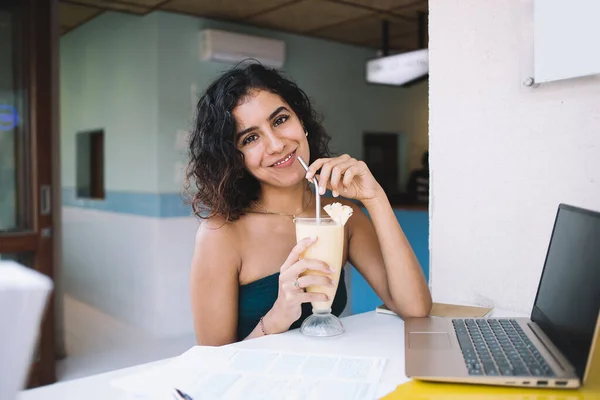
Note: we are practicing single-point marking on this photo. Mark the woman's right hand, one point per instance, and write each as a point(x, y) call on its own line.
point(288, 306)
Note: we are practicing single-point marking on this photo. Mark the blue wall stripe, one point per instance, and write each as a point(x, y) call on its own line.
point(157, 205)
point(173, 205)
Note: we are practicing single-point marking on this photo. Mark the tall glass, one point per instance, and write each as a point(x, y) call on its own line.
point(329, 248)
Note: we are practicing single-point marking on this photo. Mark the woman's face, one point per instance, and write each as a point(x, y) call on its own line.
point(271, 137)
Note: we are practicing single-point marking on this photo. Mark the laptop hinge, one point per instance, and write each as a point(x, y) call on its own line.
point(539, 333)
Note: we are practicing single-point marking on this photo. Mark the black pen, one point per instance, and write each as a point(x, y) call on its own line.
point(181, 396)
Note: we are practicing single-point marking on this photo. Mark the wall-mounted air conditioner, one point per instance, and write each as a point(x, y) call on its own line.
point(231, 48)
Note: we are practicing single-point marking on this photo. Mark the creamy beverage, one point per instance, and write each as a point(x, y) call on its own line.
point(329, 248)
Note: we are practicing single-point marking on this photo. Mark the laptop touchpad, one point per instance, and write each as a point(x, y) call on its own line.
point(428, 340)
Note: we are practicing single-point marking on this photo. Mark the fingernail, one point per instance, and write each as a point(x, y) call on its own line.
point(335, 194)
point(322, 190)
point(345, 189)
point(313, 238)
point(307, 175)
point(332, 283)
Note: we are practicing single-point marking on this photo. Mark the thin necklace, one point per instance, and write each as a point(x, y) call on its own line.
point(261, 210)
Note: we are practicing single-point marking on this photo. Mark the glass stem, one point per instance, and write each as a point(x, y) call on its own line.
point(321, 312)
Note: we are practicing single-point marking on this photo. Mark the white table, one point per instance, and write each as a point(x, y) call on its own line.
point(369, 334)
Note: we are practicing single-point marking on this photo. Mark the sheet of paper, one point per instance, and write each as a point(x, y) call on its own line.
point(229, 373)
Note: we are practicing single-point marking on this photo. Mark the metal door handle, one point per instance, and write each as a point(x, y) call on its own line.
point(45, 200)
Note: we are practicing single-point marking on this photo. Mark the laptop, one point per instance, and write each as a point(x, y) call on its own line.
point(550, 349)
point(24, 295)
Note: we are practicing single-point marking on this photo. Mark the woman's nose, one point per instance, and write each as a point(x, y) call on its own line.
point(274, 144)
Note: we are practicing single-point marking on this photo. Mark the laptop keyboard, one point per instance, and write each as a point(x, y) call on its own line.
point(498, 347)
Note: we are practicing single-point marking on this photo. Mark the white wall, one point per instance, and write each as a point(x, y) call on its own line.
point(503, 156)
point(133, 267)
point(110, 261)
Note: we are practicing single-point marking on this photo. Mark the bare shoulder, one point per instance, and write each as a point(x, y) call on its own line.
point(215, 230)
point(217, 238)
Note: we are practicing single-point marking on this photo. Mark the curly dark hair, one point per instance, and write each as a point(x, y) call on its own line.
point(223, 186)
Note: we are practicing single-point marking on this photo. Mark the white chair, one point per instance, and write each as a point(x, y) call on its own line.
point(23, 296)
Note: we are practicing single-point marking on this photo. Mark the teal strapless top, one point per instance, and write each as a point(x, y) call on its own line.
point(257, 298)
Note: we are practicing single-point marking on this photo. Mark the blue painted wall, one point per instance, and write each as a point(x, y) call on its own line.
point(416, 227)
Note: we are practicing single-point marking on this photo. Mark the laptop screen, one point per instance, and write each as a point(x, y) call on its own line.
point(568, 298)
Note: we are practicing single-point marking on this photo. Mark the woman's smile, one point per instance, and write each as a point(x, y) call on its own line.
point(286, 161)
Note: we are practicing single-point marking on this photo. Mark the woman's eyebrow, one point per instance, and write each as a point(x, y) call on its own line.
point(277, 111)
point(242, 133)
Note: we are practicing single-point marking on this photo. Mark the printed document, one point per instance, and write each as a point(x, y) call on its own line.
point(230, 373)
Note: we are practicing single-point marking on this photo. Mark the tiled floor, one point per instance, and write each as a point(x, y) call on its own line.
point(98, 343)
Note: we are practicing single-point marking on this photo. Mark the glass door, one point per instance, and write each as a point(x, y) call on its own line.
point(27, 45)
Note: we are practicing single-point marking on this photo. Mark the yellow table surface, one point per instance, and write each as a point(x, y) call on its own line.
point(417, 390)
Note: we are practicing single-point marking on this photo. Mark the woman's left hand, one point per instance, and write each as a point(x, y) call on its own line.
point(345, 176)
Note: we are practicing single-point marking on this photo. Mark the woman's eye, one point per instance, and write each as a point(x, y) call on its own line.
point(280, 120)
point(249, 139)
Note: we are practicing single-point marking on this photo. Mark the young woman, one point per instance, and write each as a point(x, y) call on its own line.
point(252, 125)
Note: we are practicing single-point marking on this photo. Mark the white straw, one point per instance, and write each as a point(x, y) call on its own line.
point(317, 196)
